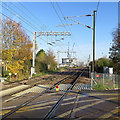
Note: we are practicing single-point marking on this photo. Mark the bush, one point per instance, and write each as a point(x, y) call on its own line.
point(5, 73)
point(99, 87)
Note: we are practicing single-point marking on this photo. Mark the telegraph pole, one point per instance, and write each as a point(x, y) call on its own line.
point(34, 40)
point(93, 64)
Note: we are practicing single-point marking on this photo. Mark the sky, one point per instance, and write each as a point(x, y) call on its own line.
point(44, 16)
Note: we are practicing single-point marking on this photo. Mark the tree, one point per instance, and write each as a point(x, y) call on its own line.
point(51, 60)
point(102, 62)
point(115, 50)
point(16, 47)
point(41, 61)
point(45, 61)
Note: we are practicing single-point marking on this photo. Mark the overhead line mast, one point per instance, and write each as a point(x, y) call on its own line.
point(76, 22)
point(37, 34)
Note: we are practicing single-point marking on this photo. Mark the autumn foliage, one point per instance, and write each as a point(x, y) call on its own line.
point(45, 61)
point(16, 48)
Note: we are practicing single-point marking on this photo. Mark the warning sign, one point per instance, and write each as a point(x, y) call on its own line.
point(97, 75)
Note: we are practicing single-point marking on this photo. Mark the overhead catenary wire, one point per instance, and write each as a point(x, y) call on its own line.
point(34, 16)
point(61, 12)
point(62, 16)
point(14, 21)
point(20, 15)
point(31, 14)
point(57, 14)
point(22, 26)
point(97, 7)
point(21, 18)
point(28, 16)
point(64, 19)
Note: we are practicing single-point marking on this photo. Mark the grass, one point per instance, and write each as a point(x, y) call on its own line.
point(99, 87)
point(108, 86)
point(26, 76)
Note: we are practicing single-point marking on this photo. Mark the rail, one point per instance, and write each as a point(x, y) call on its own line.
point(54, 108)
point(33, 98)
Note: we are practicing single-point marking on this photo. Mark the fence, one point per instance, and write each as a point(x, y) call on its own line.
point(109, 81)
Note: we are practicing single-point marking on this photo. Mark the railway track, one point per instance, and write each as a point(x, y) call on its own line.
point(67, 103)
point(54, 108)
point(33, 81)
point(40, 94)
point(27, 84)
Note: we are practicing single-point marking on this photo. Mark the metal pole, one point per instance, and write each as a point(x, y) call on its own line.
point(58, 58)
point(1, 42)
point(34, 33)
point(103, 78)
point(34, 40)
point(93, 63)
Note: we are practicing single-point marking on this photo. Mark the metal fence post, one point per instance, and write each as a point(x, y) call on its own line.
point(103, 79)
point(91, 80)
point(113, 77)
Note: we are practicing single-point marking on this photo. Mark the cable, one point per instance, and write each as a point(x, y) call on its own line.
point(19, 18)
point(20, 15)
point(14, 21)
point(22, 26)
point(63, 17)
point(97, 7)
point(31, 13)
point(57, 14)
point(66, 23)
point(25, 14)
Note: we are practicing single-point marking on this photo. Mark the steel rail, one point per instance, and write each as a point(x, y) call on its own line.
point(54, 108)
point(30, 100)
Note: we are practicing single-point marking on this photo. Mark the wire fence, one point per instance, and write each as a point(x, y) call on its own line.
point(108, 81)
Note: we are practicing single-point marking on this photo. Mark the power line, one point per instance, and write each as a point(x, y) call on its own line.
point(14, 21)
point(36, 18)
point(20, 16)
point(22, 26)
point(59, 16)
point(97, 7)
point(22, 12)
point(28, 23)
point(63, 17)
point(31, 14)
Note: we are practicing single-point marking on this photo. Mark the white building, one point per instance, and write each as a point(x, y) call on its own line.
point(68, 62)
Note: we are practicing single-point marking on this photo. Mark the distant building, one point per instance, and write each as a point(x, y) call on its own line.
point(68, 62)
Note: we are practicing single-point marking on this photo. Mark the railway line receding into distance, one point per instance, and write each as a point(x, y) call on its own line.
point(75, 99)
